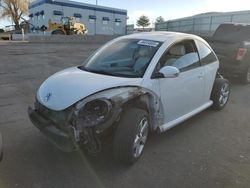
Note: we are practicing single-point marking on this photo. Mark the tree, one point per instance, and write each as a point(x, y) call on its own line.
point(14, 9)
point(143, 22)
point(159, 19)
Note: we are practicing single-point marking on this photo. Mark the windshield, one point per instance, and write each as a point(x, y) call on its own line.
point(124, 58)
point(65, 21)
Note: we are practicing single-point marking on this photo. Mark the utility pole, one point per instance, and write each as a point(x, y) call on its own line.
point(96, 3)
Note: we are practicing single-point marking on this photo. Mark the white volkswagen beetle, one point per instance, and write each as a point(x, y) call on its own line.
point(132, 85)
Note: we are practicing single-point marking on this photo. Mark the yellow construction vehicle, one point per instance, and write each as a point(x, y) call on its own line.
point(68, 26)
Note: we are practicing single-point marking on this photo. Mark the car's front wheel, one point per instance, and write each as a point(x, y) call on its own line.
point(220, 93)
point(131, 135)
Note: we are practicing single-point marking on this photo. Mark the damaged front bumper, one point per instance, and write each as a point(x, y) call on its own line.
point(82, 124)
point(62, 140)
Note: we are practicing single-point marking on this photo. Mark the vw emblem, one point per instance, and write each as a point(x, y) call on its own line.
point(47, 97)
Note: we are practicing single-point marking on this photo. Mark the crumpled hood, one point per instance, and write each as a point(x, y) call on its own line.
point(66, 87)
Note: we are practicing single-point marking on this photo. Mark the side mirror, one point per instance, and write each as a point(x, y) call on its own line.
point(169, 72)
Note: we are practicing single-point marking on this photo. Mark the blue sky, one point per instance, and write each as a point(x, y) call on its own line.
point(169, 9)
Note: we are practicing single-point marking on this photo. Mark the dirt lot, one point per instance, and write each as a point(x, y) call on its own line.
point(209, 150)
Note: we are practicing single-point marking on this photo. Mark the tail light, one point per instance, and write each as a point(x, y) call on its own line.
point(241, 52)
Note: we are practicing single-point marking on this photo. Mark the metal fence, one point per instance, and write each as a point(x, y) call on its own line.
point(203, 24)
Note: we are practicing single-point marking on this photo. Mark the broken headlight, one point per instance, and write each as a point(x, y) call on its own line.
point(94, 112)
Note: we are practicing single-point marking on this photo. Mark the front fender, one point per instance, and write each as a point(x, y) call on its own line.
point(118, 94)
point(121, 96)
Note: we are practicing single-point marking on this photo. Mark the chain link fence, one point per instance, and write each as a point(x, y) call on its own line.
point(203, 24)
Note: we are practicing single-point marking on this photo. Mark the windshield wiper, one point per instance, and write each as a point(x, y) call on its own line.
point(103, 72)
point(97, 71)
point(107, 73)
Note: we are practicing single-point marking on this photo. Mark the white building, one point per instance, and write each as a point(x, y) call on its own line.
point(98, 19)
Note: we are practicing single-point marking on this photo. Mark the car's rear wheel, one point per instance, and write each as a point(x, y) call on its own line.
point(220, 93)
point(131, 135)
point(79, 32)
point(245, 77)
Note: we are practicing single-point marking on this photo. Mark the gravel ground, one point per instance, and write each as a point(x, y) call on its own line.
point(210, 150)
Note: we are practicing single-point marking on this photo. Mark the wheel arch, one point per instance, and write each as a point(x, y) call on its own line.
point(149, 102)
point(126, 97)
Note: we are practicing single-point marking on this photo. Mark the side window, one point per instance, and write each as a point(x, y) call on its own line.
point(206, 55)
point(183, 56)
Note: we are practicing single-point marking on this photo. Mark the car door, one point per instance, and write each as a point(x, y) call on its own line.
point(211, 65)
point(185, 93)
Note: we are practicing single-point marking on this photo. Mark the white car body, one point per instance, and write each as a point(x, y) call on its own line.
point(171, 78)
point(71, 85)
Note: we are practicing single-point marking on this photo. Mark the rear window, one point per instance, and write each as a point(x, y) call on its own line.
point(206, 55)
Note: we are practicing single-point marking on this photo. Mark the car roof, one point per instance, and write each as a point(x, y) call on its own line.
point(161, 36)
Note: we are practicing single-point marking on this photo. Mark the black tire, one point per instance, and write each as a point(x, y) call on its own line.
point(58, 32)
point(131, 123)
point(245, 77)
point(79, 32)
point(220, 93)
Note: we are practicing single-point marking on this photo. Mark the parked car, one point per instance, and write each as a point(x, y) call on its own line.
point(231, 43)
point(133, 85)
point(1, 148)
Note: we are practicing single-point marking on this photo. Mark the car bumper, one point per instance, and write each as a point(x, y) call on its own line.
point(55, 135)
point(230, 67)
